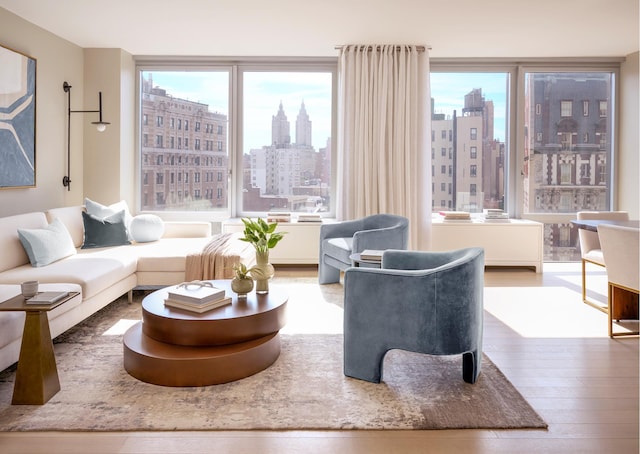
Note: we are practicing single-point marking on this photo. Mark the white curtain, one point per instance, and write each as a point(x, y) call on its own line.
point(384, 135)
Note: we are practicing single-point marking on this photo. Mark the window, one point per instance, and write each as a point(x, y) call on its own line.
point(566, 171)
point(282, 150)
point(473, 170)
point(566, 108)
point(603, 109)
point(472, 107)
point(547, 150)
point(287, 140)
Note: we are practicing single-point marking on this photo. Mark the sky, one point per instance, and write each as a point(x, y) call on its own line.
point(263, 92)
point(448, 90)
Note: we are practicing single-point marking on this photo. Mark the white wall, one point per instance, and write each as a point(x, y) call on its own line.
point(57, 61)
point(109, 170)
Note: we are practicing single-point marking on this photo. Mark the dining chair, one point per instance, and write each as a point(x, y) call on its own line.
point(620, 248)
point(590, 249)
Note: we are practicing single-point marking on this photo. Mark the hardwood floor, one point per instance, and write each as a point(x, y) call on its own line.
point(552, 347)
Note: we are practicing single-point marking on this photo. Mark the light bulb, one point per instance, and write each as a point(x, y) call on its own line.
point(101, 127)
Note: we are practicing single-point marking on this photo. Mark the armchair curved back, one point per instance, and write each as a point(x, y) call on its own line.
point(338, 241)
point(427, 302)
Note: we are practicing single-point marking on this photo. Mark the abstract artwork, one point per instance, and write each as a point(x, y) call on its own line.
point(17, 119)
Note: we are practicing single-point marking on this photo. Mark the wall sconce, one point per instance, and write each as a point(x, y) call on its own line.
point(100, 126)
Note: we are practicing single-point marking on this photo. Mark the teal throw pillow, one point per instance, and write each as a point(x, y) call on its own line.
point(47, 245)
point(104, 232)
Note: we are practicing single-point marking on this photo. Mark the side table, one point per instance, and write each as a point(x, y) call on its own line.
point(358, 261)
point(37, 374)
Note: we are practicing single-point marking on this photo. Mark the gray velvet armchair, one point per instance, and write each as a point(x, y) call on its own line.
point(425, 302)
point(338, 241)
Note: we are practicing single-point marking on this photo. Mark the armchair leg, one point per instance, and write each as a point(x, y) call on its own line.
point(328, 274)
point(471, 366)
point(363, 363)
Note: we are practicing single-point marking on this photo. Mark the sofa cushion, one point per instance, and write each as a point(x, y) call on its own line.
point(104, 232)
point(47, 245)
point(93, 269)
point(102, 211)
point(146, 228)
point(170, 254)
point(339, 248)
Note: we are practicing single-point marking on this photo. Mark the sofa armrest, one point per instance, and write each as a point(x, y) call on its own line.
point(187, 229)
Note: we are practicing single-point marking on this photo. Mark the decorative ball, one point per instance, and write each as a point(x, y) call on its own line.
point(146, 228)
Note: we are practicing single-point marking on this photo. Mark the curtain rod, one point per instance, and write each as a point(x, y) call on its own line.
point(418, 48)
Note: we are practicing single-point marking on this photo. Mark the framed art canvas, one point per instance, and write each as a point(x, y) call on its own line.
point(17, 119)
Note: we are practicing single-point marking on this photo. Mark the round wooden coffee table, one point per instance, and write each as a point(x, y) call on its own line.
point(174, 347)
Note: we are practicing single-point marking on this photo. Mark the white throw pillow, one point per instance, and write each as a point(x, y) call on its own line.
point(47, 245)
point(145, 228)
point(101, 211)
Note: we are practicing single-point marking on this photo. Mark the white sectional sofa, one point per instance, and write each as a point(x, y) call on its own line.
point(100, 274)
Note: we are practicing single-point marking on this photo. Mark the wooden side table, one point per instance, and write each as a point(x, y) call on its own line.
point(37, 375)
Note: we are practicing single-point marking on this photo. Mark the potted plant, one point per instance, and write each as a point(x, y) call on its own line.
point(263, 236)
point(242, 282)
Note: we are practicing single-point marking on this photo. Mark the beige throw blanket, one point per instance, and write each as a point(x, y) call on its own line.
point(218, 257)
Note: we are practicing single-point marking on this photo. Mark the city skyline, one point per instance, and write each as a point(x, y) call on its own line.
point(266, 90)
point(263, 93)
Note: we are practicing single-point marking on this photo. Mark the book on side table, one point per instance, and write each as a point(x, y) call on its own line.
point(373, 255)
point(47, 297)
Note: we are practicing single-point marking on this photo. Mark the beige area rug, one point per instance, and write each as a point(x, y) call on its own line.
point(304, 389)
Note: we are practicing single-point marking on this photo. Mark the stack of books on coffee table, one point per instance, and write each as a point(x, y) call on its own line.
point(195, 298)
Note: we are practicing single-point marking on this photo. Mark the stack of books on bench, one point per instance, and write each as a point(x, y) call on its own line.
point(278, 216)
point(309, 217)
point(456, 215)
point(196, 296)
point(495, 214)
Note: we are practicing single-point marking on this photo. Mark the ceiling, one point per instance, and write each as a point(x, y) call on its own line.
point(454, 29)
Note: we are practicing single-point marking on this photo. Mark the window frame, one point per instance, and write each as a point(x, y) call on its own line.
point(515, 134)
point(235, 67)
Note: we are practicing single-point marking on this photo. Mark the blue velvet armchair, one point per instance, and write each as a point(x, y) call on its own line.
point(338, 241)
point(425, 302)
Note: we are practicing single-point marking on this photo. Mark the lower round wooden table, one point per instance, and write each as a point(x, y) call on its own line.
point(174, 347)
